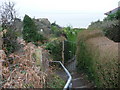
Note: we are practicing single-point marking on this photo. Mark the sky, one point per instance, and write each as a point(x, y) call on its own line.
point(76, 13)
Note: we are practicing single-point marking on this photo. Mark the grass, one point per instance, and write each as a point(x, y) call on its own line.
point(98, 57)
point(0, 29)
point(54, 81)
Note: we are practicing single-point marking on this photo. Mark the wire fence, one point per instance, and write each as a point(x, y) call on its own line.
point(69, 50)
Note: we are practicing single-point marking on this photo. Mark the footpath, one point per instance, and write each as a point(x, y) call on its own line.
point(79, 80)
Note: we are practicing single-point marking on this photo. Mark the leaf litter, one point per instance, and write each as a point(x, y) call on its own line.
point(21, 70)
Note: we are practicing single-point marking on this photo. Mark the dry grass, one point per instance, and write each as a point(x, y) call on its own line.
point(103, 54)
point(86, 34)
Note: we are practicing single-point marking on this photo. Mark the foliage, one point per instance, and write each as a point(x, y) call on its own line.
point(10, 41)
point(56, 29)
point(70, 43)
point(84, 61)
point(114, 16)
point(71, 33)
point(98, 59)
point(110, 26)
point(30, 31)
point(69, 50)
point(55, 49)
point(113, 32)
point(7, 16)
point(55, 81)
point(1, 29)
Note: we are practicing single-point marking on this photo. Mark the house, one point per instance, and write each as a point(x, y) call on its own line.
point(113, 11)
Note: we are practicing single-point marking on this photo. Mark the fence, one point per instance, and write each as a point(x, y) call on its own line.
point(69, 50)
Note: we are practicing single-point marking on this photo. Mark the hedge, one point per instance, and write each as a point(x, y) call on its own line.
point(97, 56)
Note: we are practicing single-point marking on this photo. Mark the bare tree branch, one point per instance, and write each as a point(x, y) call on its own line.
point(7, 13)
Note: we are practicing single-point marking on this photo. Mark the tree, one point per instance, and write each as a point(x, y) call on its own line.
point(7, 14)
point(30, 30)
point(7, 17)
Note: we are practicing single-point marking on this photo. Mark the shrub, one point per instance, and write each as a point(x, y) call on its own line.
point(113, 32)
point(56, 29)
point(114, 16)
point(30, 31)
point(70, 43)
point(10, 41)
point(98, 57)
point(55, 49)
point(110, 26)
point(55, 81)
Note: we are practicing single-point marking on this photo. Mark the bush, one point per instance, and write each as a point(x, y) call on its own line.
point(10, 41)
point(113, 32)
point(56, 30)
point(97, 56)
point(55, 81)
point(70, 43)
point(110, 26)
point(30, 31)
point(114, 16)
point(55, 49)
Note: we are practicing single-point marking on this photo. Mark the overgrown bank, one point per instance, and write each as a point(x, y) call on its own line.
point(98, 57)
point(110, 26)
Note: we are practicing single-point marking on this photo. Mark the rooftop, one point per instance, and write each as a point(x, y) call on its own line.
point(113, 11)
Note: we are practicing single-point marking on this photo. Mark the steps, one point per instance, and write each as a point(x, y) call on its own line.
point(80, 81)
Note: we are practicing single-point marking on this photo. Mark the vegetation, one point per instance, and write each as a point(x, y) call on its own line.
point(30, 31)
point(110, 26)
point(7, 16)
point(70, 43)
point(113, 16)
point(56, 30)
point(10, 42)
point(98, 59)
point(54, 81)
point(55, 49)
point(56, 46)
point(1, 29)
point(94, 56)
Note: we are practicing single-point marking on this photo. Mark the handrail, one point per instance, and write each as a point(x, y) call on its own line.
point(69, 81)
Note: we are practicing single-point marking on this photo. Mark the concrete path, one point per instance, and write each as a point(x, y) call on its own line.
point(79, 80)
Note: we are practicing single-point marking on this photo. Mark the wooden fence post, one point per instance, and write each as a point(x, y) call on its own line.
point(63, 52)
